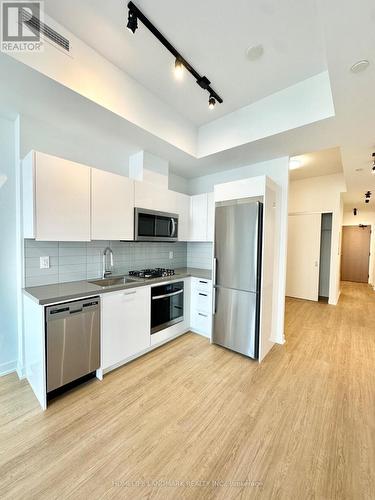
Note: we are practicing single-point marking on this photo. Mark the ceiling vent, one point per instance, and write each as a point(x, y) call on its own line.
point(38, 27)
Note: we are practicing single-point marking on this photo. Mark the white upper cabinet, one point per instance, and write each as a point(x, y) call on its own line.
point(210, 216)
point(183, 210)
point(154, 197)
point(198, 217)
point(112, 206)
point(202, 209)
point(56, 198)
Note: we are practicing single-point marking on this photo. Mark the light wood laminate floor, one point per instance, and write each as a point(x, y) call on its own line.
point(299, 426)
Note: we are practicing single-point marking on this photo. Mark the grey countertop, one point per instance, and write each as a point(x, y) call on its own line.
point(60, 292)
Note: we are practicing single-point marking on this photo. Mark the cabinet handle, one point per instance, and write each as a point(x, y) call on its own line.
point(205, 282)
point(204, 315)
point(130, 293)
point(203, 294)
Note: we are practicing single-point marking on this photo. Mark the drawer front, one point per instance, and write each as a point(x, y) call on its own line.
point(201, 322)
point(202, 285)
point(202, 301)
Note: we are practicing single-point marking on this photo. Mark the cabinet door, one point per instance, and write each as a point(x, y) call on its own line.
point(198, 217)
point(112, 206)
point(153, 197)
point(210, 216)
point(125, 325)
point(183, 210)
point(62, 199)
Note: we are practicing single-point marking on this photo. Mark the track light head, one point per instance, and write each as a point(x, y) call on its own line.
point(368, 194)
point(178, 69)
point(355, 210)
point(132, 21)
point(367, 200)
point(373, 169)
point(211, 102)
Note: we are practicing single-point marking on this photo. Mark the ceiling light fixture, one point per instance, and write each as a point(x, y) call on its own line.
point(367, 200)
point(135, 14)
point(294, 164)
point(132, 21)
point(178, 69)
point(360, 66)
point(211, 102)
point(355, 211)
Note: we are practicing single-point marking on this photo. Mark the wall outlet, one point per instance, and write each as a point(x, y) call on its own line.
point(171, 255)
point(44, 262)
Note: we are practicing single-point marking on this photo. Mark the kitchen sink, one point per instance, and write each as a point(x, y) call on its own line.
point(113, 281)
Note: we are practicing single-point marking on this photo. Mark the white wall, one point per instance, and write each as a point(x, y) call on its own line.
point(86, 72)
point(278, 171)
point(366, 218)
point(319, 195)
point(8, 249)
point(300, 104)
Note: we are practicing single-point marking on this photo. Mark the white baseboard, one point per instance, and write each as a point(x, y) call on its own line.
point(8, 367)
point(20, 371)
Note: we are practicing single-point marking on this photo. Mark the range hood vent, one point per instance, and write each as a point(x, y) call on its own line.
point(38, 27)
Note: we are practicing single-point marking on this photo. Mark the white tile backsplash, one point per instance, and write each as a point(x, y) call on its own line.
point(74, 261)
point(199, 255)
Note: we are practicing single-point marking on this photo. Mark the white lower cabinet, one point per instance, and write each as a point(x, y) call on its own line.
point(125, 325)
point(201, 306)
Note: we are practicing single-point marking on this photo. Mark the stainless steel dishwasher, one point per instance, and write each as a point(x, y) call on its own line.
point(73, 341)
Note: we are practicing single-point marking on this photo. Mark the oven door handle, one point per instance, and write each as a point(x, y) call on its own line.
point(167, 295)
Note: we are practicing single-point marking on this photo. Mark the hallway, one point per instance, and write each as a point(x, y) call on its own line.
point(301, 425)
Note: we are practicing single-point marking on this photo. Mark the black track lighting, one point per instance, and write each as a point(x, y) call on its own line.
point(355, 211)
point(368, 194)
point(211, 102)
point(132, 21)
point(136, 15)
point(367, 200)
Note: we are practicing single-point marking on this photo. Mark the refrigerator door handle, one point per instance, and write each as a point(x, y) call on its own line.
point(214, 286)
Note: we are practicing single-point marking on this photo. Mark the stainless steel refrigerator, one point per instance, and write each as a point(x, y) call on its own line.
point(237, 275)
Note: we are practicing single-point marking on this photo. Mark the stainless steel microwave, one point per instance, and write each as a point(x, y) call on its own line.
point(151, 225)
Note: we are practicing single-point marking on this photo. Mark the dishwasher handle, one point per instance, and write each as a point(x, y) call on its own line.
point(69, 308)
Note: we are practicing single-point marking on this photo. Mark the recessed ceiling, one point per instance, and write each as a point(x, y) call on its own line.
point(213, 35)
point(324, 162)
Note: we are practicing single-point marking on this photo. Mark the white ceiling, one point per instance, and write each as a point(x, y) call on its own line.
point(325, 162)
point(213, 35)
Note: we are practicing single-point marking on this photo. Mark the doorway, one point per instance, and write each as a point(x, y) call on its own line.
point(309, 256)
point(325, 256)
point(355, 255)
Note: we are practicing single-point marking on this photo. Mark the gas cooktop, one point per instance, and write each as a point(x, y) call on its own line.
point(159, 272)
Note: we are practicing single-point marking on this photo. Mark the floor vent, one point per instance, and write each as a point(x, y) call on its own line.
point(38, 27)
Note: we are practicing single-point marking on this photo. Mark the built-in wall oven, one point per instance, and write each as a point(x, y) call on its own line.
point(167, 305)
point(151, 225)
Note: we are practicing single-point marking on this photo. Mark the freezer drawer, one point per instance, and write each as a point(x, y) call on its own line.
point(236, 321)
point(73, 341)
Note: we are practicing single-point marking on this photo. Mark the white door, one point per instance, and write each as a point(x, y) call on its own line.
point(112, 206)
point(303, 256)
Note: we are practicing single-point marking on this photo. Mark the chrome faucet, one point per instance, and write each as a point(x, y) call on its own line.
point(106, 271)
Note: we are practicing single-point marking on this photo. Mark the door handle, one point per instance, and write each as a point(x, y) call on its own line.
point(214, 286)
point(173, 227)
